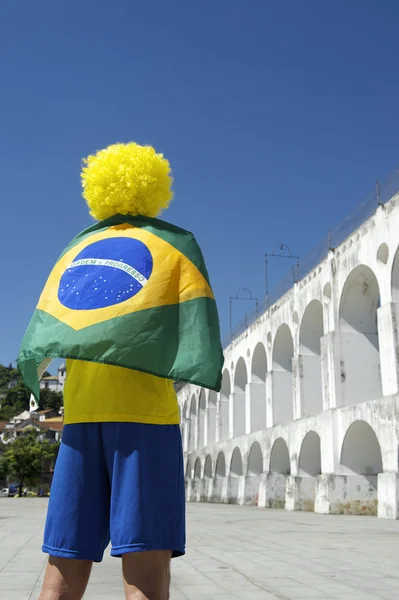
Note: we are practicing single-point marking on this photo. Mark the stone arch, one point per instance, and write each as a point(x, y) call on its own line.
point(280, 458)
point(208, 467)
point(360, 357)
point(361, 451)
point(224, 407)
point(280, 467)
point(220, 470)
point(259, 364)
point(211, 417)
point(310, 456)
point(236, 463)
point(192, 424)
point(361, 461)
point(283, 353)
point(254, 472)
point(395, 277)
point(236, 472)
point(255, 460)
point(197, 469)
point(258, 388)
point(188, 469)
point(201, 419)
point(310, 334)
point(206, 483)
point(240, 384)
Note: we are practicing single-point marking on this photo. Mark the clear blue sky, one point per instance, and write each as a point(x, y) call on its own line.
point(277, 118)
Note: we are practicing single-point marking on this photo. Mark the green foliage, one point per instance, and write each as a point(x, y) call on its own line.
point(7, 374)
point(23, 458)
point(17, 395)
point(16, 399)
point(50, 399)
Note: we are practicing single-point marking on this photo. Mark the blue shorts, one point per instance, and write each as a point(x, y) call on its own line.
point(118, 482)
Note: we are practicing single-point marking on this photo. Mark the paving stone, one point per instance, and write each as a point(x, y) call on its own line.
point(234, 553)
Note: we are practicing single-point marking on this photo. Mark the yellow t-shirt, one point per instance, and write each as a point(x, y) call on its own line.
point(97, 393)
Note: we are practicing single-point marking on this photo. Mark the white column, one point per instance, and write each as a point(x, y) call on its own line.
point(388, 323)
point(248, 408)
point(269, 401)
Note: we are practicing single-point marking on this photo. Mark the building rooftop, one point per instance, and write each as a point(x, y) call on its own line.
point(55, 424)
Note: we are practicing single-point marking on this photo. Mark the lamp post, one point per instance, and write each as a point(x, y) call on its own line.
point(289, 255)
point(248, 298)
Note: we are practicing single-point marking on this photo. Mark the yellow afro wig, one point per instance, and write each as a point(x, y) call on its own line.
point(126, 179)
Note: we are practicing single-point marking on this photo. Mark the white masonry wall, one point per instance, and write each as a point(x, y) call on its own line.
point(307, 417)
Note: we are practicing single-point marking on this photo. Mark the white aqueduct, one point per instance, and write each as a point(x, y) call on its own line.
point(308, 414)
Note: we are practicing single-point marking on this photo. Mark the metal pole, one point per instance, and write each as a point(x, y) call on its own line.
point(267, 283)
point(231, 316)
point(377, 188)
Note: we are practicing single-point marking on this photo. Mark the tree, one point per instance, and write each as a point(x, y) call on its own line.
point(24, 457)
point(50, 399)
point(17, 396)
point(6, 375)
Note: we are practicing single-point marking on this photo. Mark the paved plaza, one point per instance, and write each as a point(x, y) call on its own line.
point(235, 553)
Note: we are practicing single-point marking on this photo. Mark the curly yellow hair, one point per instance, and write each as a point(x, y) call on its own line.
point(126, 179)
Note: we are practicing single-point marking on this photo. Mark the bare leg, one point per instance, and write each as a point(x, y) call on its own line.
point(65, 579)
point(147, 575)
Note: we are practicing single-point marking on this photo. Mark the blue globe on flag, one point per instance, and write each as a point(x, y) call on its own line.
point(105, 273)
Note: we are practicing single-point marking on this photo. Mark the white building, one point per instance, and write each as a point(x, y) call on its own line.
point(55, 382)
point(308, 414)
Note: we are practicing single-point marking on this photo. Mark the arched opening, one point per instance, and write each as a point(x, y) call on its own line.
point(236, 463)
point(361, 451)
point(310, 335)
point(220, 470)
point(361, 460)
point(395, 277)
point(258, 388)
point(383, 254)
point(309, 468)
point(207, 480)
point(208, 467)
point(240, 384)
point(310, 456)
point(254, 471)
point(235, 473)
point(188, 469)
point(255, 460)
point(201, 419)
point(224, 409)
point(211, 413)
point(197, 469)
point(360, 357)
point(280, 458)
point(283, 352)
point(192, 424)
point(280, 467)
point(220, 474)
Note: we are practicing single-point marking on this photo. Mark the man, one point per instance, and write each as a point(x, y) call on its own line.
point(130, 307)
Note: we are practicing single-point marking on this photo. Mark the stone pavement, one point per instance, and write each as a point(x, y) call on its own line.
point(235, 553)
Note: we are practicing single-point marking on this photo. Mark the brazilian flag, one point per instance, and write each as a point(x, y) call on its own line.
point(132, 292)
